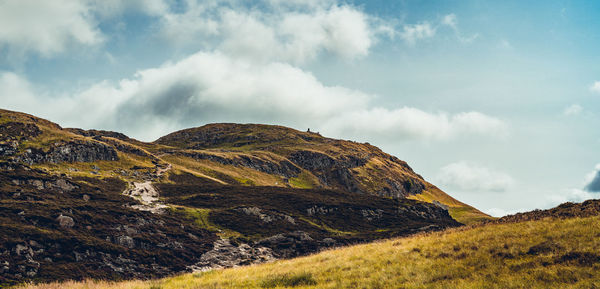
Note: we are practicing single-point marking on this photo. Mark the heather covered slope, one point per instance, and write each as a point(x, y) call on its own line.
point(81, 204)
point(559, 251)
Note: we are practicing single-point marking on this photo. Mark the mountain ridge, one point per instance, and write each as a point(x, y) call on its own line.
point(70, 195)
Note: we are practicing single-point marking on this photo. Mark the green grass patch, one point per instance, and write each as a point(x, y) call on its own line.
point(303, 181)
point(288, 280)
point(201, 219)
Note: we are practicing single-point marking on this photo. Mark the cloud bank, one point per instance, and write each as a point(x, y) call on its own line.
point(595, 87)
point(573, 109)
point(46, 27)
point(593, 181)
point(248, 70)
point(214, 87)
point(472, 177)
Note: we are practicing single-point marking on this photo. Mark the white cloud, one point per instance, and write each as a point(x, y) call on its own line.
point(572, 195)
point(573, 109)
point(413, 123)
point(505, 44)
point(411, 33)
point(16, 93)
point(292, 32)
point(472, 177)
point(194, 24)
point(46, 27)
point(451, 20)
point(340, 30)
point(592, 180)
point(302, 3)
point(213, 87)
point(595, 87)
point(498, 212)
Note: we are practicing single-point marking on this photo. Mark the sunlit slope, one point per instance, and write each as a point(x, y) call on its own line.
point(253, 154)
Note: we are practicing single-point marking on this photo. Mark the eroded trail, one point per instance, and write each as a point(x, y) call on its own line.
point(147, 194)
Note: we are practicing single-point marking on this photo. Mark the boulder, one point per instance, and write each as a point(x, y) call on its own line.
point(65, 222)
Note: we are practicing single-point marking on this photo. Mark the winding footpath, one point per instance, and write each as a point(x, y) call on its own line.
point(147, 194)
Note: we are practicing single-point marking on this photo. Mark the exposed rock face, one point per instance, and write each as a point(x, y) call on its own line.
point(267, 217)
point(9, 149)
point(226, 255)
point(291, 244)
point(331, 172)
point(74, 151)
point(98, 133)
point(399, 188)
point(126, 148)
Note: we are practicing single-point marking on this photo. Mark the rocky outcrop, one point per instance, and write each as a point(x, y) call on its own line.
point(9, 149)
point(73, 151)
point(331, 172)
point(267, 217)
point(98, 133)
point(289, 245)
point(227, 255)
point(401, 187)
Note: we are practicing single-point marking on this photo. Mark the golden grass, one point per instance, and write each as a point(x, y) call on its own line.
point(539, 254)
point(458, 210)
point(217, 171)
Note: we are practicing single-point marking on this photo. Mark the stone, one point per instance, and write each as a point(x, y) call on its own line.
point(64, 185)
point(125, 241)
point(20, 249)
point(38, 184)
point(65, 222)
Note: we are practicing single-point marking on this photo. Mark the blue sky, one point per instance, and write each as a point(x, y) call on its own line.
point(494, 101)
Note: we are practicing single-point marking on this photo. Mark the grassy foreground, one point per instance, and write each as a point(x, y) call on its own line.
point(548, 253)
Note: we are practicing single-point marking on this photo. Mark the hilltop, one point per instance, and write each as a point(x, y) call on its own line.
point(97, 204)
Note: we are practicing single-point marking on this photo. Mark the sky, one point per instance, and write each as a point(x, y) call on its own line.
point(495, 102)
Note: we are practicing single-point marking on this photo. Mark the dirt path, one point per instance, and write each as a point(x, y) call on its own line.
point(147, 194)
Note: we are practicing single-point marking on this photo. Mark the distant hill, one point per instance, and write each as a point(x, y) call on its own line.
point(97, 204)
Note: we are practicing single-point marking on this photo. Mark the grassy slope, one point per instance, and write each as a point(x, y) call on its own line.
point(277, 142)
point(458, 210)
point(549, 253)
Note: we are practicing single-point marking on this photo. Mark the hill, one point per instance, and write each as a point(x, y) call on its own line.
point(97, 204)
point(557, 251)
